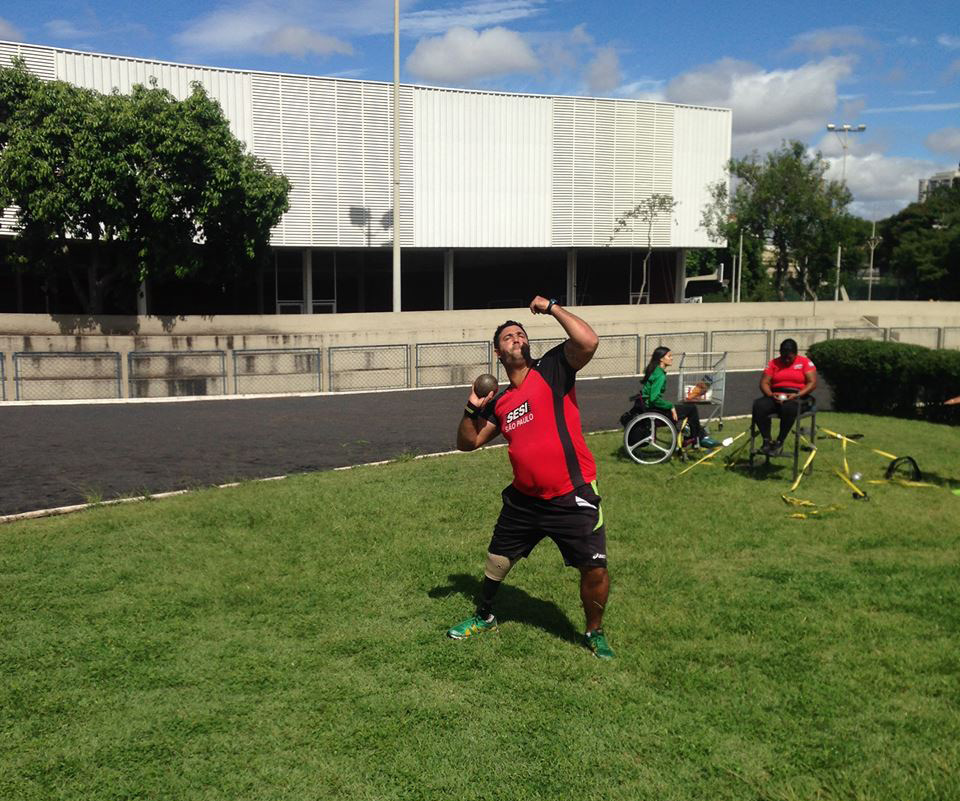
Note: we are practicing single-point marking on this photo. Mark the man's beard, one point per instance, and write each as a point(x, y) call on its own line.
point(515, 359)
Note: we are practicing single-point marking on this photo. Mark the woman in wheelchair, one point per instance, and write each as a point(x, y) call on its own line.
point(786, 385)
point(653, 382)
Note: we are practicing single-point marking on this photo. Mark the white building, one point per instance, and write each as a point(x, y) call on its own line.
point(947, 178)
point(500, 193)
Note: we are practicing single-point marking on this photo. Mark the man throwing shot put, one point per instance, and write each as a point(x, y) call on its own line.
point(554, 489)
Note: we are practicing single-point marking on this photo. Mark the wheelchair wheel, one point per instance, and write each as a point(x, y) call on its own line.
point(650, 438)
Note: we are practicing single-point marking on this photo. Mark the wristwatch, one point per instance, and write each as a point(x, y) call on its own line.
point(550, 305)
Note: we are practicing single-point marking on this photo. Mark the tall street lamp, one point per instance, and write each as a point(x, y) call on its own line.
point(397, 302)
point(843, 134)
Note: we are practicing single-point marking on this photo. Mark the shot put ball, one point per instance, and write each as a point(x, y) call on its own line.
point(485, 384)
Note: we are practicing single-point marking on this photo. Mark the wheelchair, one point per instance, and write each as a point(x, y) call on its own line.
point(649, 437)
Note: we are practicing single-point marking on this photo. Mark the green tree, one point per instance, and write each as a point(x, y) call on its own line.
point(155, 183)
point(645, 213)
point(921, 246)
point(783, 201)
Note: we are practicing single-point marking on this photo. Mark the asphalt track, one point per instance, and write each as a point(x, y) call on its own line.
point(58, 455)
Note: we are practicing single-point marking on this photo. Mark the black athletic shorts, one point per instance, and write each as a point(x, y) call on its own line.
point(573, 521)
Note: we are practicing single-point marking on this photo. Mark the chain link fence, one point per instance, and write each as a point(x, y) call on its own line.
point(685, 342)
point(745, 349)
point(67, 376)
point(363, 367)
point(876, 334)
point(277, 371)
point(444, 364)
point(804, 337)
point(156, 374)
point(174, 374)
point(915, 335)
point(615, 356)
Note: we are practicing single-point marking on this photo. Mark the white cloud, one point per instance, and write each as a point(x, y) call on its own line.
point(826, 40)
point(465, 55)
point(298, 41)
point(882, 185)
point(603, 73)
point(915, 107)
point(768, 105)
point(945, 140)
point(65, 29)
point(946, 40)
point(9, 31)
point(643, 89)
point(469, 15)
point(256, 30)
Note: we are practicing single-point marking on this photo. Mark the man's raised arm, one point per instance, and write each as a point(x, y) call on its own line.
point(583, 340)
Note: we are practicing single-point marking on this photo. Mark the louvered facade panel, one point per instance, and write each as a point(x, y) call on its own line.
point(231, 89)
point(604, 170)
point(377, 111)
point(663, 224)
point(477, 169)
point(267, 131)
point(482, 175)
point(562, 173)
point(39, 60)
point(621, 152)
point(323, 155)
point(295, 157)
point(701, 149)
point(351, 223)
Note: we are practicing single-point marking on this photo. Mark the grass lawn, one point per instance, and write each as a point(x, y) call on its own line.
point(285, 640)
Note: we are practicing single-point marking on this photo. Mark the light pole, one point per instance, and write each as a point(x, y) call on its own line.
point(397, 303)
point(845, 129)
point(873, 241)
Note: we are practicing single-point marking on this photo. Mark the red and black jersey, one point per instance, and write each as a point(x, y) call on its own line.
point(540, 420)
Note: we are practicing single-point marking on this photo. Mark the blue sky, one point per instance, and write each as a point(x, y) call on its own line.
point(786, 71)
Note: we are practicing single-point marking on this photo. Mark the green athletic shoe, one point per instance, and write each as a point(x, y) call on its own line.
point(597, 644)
point(471, 627)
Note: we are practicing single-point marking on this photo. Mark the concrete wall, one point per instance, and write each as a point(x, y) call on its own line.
point(198, 373)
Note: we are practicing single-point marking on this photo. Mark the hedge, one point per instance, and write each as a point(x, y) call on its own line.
point(890, 378)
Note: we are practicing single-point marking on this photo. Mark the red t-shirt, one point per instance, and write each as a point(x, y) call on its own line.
point(540, 420)
point(789, 376)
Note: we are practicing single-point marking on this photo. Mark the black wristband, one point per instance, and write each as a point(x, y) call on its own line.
point(471, 411)
point(550, 305)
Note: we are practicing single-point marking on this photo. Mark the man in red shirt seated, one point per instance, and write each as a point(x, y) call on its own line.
point(786, 381)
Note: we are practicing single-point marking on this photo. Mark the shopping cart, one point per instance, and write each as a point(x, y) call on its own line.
point(702, 380)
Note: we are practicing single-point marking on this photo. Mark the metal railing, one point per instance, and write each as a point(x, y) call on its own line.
point(615, 356)
point(173, 374)
point(804, 337)
point(369, 367)
point(878, 334)
point(745, 349)
point(681, 342)
point(277, 371)
point(915, 335)
point(440, 364)
point(67, 376)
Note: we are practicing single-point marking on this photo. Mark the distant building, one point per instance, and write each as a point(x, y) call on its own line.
point(500, 194)
point(947, 178)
